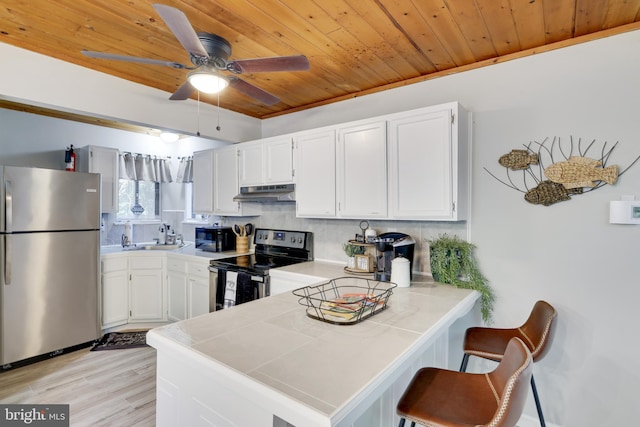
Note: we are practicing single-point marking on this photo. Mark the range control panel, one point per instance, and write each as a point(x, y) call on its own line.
point(283, 238)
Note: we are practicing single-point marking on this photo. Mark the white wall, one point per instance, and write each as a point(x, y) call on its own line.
point(568, 253)
point(39, 141)
point(39, 80)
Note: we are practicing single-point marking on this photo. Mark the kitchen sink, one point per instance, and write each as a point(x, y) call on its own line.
point(155, 247)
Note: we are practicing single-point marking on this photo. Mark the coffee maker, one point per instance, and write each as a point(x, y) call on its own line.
point(389, 246)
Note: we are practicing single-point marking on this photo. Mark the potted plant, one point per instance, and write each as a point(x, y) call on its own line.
point(352, 251)
point(452, 262)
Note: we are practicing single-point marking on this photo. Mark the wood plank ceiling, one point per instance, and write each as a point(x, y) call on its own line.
point(355, 47)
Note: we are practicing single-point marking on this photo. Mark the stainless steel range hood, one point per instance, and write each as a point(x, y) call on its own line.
point(267, 193)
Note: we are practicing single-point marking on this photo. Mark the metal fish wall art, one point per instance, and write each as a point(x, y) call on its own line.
point(546, 181)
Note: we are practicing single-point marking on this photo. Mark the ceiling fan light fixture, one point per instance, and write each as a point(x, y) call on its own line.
point(169, 136)
point(207, 81)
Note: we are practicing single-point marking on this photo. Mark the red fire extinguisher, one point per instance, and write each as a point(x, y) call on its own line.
point(70, 159)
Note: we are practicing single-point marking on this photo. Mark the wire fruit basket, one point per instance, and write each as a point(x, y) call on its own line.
point(345, 300)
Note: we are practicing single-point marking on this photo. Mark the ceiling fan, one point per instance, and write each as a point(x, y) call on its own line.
point(209, 54)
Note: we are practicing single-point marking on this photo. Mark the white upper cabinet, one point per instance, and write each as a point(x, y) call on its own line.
point(268, 161)
point(428, 164)
point(251, 157)
point(104, 161)
point(315, 165)
point(361, 170)
point(278, 164)
point(226, 184)
point(203, 182)
point(225, 171)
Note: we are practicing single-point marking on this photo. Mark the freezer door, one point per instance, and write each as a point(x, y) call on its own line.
point(46, 199)
point(52, 300)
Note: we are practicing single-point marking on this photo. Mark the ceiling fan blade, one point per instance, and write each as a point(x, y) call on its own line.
point(184, 92)
point(178, 23)
point(252, 91)
point(265, 65)
point(101, 55)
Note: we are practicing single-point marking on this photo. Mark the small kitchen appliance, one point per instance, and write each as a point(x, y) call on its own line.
point(243, 278)
point(389, 246)
point(215, 239)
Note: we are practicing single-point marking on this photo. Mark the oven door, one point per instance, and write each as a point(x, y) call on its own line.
point(229, 287)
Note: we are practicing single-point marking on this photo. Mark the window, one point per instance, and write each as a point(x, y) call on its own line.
point(138, 200)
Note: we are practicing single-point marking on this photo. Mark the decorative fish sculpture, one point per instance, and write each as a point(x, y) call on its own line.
point(581, 172)
point(548, 192)
point(518, 159)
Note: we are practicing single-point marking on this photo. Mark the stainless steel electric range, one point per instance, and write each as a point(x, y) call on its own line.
point(243, 278)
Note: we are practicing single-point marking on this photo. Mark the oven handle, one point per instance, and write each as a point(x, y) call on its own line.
point(213, 288)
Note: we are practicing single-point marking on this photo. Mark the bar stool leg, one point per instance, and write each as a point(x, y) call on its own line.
point(401, 422)
point(537, 399)
point(465, 360)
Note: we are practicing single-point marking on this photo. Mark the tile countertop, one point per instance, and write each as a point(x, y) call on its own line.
point(188, 249)
point(326, 270)
point(320, 366)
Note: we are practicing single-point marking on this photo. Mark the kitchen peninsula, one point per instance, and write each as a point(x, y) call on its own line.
point(266, 363)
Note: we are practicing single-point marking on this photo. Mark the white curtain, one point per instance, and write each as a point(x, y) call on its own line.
point(185, 170)
point(143, 167)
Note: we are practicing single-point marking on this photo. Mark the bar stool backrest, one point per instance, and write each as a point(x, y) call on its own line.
point(539, 329)
point(510, 381)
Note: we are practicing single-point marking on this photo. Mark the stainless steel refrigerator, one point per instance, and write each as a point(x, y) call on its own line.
point(49, 261)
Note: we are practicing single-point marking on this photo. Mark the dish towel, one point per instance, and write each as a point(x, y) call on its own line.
point(230, 289)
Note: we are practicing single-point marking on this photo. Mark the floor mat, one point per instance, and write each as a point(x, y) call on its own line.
point(121, 340)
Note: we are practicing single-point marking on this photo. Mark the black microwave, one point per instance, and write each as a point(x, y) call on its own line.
point(215, 239)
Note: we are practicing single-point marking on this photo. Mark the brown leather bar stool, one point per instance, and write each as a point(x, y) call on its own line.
point(443, 398)
point(537, 333)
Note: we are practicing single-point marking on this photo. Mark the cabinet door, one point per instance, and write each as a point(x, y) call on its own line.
point(115, 298)
point(225, 169)
point(198, 296)
point(105, 162)
point(146, 302)
point(278, 161)
point(203, 189)
point(251, 163)
point(176, 296)
point(315, 158)
point(420, 166)
point(362, 171)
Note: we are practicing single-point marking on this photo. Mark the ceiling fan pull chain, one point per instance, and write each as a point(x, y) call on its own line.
point(198, 123)
point(218, 127)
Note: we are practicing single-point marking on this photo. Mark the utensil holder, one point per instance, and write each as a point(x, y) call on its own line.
point(242, 244)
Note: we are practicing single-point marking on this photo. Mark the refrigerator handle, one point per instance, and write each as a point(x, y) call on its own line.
point(8, 215)
point(7, 259)
point(8, 207)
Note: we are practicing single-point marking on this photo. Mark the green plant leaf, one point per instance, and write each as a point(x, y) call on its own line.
point(452, 262)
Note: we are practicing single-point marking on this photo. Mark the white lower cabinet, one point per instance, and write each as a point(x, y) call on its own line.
point(153, 287)
point(187, 287)
point(115, 291)
point(146, 288)
point(176, 288)
point(197, 288)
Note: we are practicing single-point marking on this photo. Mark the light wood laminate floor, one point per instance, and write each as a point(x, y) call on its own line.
point(103, 388)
